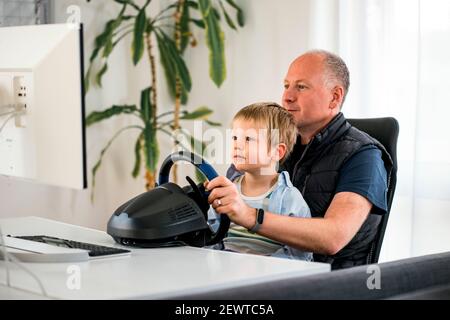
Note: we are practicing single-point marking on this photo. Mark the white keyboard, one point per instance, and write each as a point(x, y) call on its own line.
point(32, 251)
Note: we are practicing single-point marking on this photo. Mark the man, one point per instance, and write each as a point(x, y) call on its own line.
point(341, 172)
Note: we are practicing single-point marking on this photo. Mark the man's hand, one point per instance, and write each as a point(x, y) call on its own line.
point(225, 199)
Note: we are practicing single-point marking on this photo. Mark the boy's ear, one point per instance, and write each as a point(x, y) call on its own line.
point(279, 152)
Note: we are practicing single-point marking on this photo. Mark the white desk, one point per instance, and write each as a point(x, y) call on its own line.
point(147, 273)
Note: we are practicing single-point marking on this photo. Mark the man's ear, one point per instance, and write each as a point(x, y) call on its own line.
point(279, 152)
point(337, 97)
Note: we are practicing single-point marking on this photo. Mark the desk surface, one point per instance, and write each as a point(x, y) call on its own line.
point(146, 273)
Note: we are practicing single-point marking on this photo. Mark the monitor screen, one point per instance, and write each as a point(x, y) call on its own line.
point(42, 131)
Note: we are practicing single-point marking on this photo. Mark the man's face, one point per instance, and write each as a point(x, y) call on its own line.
point(306, 95)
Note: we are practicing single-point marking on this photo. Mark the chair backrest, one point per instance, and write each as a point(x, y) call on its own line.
point(385, 130)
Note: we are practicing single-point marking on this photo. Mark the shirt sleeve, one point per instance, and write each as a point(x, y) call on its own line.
point(365, 174)
point(293, 204)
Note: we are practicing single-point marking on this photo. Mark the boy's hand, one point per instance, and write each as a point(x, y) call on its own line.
point(225, 199)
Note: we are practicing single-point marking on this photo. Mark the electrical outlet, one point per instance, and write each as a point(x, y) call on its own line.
point(20, 90)
point(21, 96)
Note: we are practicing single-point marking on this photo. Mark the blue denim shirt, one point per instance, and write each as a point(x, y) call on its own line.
point(286, 200)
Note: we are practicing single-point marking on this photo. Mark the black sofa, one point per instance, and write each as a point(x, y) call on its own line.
point(424, 277)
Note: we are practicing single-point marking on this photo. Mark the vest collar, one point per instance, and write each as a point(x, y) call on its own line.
point(333, 131)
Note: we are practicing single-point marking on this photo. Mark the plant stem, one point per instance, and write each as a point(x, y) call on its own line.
point(178, 16)
point(163, 11)
point(123, 28)
point(151, 57)
point(161, 125)
point(175, 140)
point(164, 114)
point(163, 18)
point(134, 5)
point(150, 176)
point(176, 122)
point(121, 37)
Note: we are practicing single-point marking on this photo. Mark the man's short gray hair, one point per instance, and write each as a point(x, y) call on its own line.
point(336, 69)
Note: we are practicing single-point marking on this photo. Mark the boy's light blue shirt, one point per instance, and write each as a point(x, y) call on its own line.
point(286, 200)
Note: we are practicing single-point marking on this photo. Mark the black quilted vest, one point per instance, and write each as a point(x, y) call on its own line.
point(316, 174)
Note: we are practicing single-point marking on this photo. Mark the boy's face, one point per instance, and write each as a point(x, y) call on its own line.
point(249, 150)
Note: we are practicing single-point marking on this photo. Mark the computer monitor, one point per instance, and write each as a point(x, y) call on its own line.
point(42, 131)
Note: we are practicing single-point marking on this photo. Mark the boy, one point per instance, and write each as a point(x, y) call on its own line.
point(263, 134)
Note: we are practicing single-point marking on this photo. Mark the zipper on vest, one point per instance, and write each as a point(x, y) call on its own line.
point(302, 156)
point(304, 186)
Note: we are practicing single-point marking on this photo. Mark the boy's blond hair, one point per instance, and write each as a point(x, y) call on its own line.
point(274, 118)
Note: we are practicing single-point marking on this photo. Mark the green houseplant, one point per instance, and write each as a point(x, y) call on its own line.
point(171, 27)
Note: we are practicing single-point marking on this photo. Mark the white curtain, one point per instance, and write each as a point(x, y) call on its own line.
point(398, 53)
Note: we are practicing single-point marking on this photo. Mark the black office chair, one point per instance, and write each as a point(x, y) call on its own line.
point(385, 130)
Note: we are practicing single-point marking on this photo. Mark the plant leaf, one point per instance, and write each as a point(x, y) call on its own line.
point(105, 41)
point(87, 79)
point(178, 61)
point(216, 13)
point(137, 47)
point(123, 1)
point(168, 66)
point(137, 153)
point(108, 47)
point(201, 112)
point(172, 62)
point(89, 70)
point(213, 124)
point(192, 4)
point(130, 2)
point(94, 54)
point(146, 105)
point(240, 13)
point(227, 17)
point(198, 23)
point(102, 38)
point(241, 18)
point(100, 74)
point(151, 147)
point(97, 116)
point(215, 41)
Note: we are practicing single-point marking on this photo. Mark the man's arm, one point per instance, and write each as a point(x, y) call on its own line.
point(344, 217)
point(362, 185)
